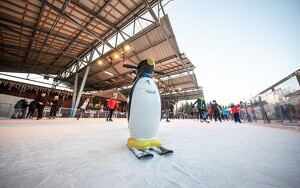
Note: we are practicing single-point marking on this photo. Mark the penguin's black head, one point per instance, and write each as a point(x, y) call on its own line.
point(146, 68)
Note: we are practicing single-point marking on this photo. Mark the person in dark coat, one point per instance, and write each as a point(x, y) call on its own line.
point(41, 101)
point(216, 110)
point(55, 104)
point(19, 109)
point(31, 109)
point(24, 108)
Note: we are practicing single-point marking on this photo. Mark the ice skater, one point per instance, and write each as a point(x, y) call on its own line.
point(31, 109)
point(224, 114)
point(216, 110)
point(201, 106)
point(20, 109)
point(235, 112)
point(112, 105)
point(41, 100)
point(55, 104)
point(83, 107)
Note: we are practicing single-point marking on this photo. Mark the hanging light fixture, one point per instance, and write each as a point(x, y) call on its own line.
point(100, 62)
point(109, 73)
point(127, 48)
point(116, 55)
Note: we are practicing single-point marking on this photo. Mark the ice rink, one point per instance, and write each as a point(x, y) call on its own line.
point(93, 153)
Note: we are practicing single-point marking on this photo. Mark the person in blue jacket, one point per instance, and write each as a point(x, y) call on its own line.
point(225, 114)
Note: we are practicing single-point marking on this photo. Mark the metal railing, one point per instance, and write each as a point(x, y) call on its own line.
point(267, 113)
point(279, 103)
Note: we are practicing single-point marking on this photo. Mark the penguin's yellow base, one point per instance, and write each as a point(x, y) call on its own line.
point(143, 144)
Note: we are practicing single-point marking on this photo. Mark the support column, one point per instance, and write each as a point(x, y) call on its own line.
point(73, 110)
point(298, 78)
point(83, 81)
point(81, 89)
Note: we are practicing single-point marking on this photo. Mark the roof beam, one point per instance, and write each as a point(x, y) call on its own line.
point(123, 23)
point(95, 15)
point(34, 32)
point(32, 51)
point(35, 40)
point(43, 31)
point(36, 62)
point(78, 34)
point(75, 22)
point(164, 31)
point(52, 29)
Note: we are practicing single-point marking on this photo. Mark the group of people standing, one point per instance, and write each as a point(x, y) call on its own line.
point(38, 104)
point(42, 100)
point(215, 111)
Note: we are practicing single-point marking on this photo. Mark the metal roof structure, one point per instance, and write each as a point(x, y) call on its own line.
point(109, 94)
point(88, 41)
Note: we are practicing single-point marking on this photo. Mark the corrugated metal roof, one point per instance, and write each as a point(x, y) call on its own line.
point(56, 37)
point(45, 37)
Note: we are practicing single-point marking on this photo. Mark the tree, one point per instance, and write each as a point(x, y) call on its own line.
point(186, 108)
point(190, 109)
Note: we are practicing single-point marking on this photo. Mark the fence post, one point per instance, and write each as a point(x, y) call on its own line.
point(59, 111)
point(253, 112)
point(247, 114)
point(280, 113)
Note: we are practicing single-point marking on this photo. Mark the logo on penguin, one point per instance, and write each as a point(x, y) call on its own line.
point(150, 92)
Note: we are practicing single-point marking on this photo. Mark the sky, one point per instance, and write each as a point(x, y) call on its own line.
point(239, 47)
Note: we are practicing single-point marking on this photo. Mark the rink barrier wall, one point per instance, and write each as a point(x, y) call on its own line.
point(7, 110)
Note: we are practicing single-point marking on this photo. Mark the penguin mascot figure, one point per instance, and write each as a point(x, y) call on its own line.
point(144, 113)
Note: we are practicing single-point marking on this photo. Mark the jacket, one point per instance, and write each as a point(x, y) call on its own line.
point(21, 104)
point(112, 104)
point(200, 104)
point(235, 109)
point(41, 99)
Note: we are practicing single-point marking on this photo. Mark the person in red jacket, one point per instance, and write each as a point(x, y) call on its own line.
point(112, 105)
point(235, 112)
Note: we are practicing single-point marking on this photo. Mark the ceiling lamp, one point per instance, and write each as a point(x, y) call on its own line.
point(109, 73)
point(127, 48)
point(115, 55)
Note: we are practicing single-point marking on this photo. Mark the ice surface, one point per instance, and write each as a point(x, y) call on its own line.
point(93, 153)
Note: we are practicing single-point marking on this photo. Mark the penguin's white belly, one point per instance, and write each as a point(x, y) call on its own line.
point(145, 110)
